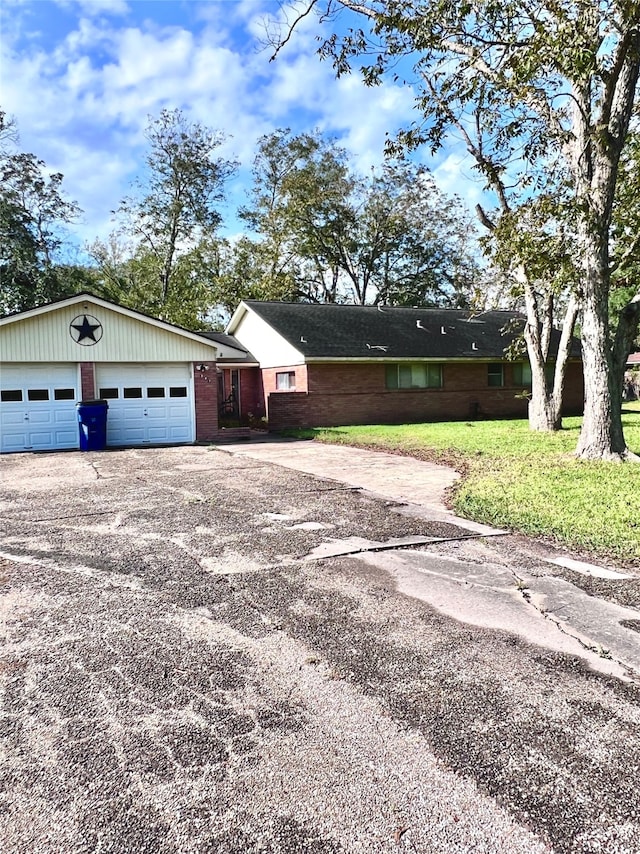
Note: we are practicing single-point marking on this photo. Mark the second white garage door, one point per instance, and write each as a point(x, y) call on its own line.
point(148, 404)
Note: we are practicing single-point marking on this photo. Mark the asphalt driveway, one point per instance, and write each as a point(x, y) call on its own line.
point(202, 654)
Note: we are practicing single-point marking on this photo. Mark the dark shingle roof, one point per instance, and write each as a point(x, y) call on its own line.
point(230, 341)
point(354, 331)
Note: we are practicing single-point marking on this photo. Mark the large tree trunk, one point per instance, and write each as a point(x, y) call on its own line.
point(536, 334)
point(562, 356)
point(545, 405)
point(543, 414)
point(601, 437)
point(595, 148)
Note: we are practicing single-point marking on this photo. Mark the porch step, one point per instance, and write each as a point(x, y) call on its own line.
point(232, 434)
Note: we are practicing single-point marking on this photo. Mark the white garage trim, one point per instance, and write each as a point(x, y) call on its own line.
point(149, 404)
point(38, 407)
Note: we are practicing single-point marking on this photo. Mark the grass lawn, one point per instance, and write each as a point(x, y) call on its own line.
point(526, 481)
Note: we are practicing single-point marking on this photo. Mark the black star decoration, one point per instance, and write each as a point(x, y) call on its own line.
point(86, 330)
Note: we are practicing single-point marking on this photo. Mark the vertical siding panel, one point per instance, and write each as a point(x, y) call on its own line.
point(46, 338)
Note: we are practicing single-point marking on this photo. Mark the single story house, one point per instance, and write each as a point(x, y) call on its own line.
point(324, 365)
point(162, 383)
point(293, 363)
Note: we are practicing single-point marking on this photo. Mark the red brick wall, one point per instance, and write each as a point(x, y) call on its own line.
point(87, 381)
point(345, 377)
point(573, 400)
point(356, 394)
point(252, 400)
point(269, 391)
point(206, 402)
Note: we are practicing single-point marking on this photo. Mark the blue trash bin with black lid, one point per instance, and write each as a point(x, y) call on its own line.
point(92, 422)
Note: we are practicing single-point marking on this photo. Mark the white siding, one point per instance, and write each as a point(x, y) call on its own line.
point(46, 337)
point(267, 345)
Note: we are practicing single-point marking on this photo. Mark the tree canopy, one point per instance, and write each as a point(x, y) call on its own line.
point(325, 233)
point(152, 263)
point(33, 210)
point(542, 95)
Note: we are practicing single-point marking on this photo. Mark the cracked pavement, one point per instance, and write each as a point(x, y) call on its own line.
point(187, 667)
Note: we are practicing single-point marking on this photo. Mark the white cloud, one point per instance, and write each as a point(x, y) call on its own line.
point(366, 116)
point(454, 175)
point(82, 92)
point(96, 7)
point(144, 58)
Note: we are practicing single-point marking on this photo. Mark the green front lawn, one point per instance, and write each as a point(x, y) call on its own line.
point(526, 481)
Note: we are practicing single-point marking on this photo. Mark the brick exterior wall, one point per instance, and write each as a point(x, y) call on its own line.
point(356, 394)
point(206, 402)
point(301, 380)
point(87, 381)
point(252, 399)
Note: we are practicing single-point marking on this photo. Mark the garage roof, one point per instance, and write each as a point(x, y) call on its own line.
point(85, 326)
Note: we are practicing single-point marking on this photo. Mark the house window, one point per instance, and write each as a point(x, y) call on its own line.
point(155, 391)
point(522, 374)
point(413, 376)
point(286, 381)
point(132, 392)
point(109, 393)
point(11, 395)
point(177, 391)
point(64, 394)
point(38, 394)
point(495, 374)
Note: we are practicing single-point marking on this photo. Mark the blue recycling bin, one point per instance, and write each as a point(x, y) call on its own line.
point(92, 422)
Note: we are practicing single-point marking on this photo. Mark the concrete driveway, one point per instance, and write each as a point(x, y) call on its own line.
point(206, 651)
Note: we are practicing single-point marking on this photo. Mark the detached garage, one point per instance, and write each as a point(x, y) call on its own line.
point(159, 380)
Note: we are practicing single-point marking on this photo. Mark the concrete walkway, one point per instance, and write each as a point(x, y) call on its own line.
point(498, 580)
point(403, 479)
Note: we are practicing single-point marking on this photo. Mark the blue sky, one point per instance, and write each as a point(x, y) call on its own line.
point(81, 78)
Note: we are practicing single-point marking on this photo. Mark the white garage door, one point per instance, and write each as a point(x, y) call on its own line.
point(148, 404)
point(38, 407)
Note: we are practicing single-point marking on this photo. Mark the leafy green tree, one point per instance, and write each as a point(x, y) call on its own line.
point(249, 269)
point(413, 244)
point(547, 91)
point(531, 244)
point(298, 199)
point(151, 264)
point(32, 213)
point(326, 234)
point(127, 273)
point(624, 300)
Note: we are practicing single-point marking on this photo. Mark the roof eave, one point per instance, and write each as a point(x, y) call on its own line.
point(236, 363)
point(236, 317)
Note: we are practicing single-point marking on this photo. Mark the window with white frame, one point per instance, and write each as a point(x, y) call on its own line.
point(286, 381)
point(418, 375)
